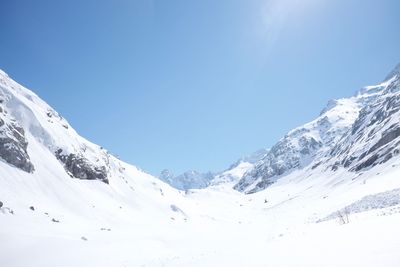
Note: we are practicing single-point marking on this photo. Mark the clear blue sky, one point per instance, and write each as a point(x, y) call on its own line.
point(186, 84)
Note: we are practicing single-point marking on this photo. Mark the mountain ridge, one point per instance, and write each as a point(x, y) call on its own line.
point(22, 109)
point(65, 206)
point(304, 144)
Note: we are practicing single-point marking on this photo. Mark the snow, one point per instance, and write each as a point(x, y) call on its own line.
point(187, 180)
point(331, 137)
point(371, 202)
point(138, 220)
point(221, 228)
point(231, 176)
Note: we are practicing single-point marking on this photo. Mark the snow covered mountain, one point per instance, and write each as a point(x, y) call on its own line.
point(236, 171)
point(25, 118)
point(374, 137)
point(65, 201)
point(353, 132)
point(347, 133)
point(197, 180)
point(187, 180)
point(57, 171)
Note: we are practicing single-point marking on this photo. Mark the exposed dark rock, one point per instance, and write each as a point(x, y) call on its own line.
point(32, 208)
point(386, 138)
point(375, 135)
point(13, 146)
point(388, 157)
point(79, 167)
point(348, 161)
point(335, 166)
point(316, 165)
point(1, 204)
point(55, 221)
point(368, 163)
point(260, 186)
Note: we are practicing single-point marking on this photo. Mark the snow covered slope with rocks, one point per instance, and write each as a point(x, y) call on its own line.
point(197, 180)
point(236, 171)
point(187, 180)
point(45, 164)
point(374, 137)
point(65, 201)
point(25, 119)
point(348, 131)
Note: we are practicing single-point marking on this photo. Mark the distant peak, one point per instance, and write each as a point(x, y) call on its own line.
point(394, 72)
point(331, 104)
point(166, 173)
point(376, 89)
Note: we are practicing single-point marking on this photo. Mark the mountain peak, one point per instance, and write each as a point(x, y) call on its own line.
point(342, 119)
point(393, 73)
point(188, 180)
point(375, 90)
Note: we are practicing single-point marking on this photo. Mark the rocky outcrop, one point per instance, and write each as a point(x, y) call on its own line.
point(355, 133)
point(299, 147)
point(22, 113)
point(286, 155)
point(375, 136)
point(79, 167)
point(13, 143)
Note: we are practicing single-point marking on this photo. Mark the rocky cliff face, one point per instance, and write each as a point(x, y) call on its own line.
point(355, 133)
point(24, 116)
point(374, 137)
point(13, 143)
point(78, 166)
point(301, 147)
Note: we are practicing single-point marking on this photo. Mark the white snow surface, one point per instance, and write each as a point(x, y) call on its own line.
point(231, 176)
point(137, 220)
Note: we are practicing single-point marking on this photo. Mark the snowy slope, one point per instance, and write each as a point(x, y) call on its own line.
point(374, 137)
point(91, 209)
point(330, 136)
point(61, 163)
point(41, 124)
point(197, 180)
point(187, 180)
point(236, 171)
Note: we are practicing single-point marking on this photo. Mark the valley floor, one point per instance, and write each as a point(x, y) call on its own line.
point(373, 242)
point(368, 240)
point(283, 226)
